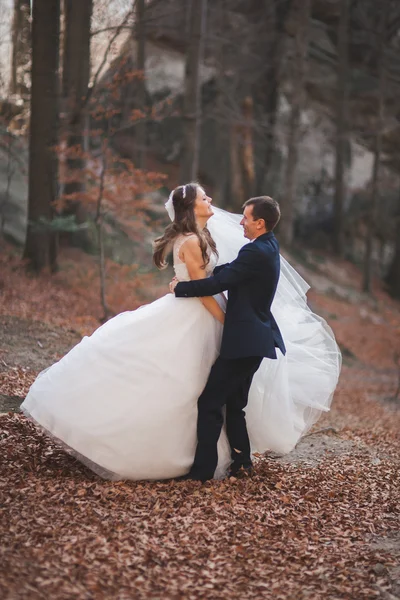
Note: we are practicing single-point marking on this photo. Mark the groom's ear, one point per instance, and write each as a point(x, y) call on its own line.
point(261, 224)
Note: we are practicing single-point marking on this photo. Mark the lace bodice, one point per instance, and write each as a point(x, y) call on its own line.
point(180, 268)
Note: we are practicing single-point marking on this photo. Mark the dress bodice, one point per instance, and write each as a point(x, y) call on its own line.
point(180, 268)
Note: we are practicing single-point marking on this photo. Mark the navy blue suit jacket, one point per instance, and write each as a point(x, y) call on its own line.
point(251, 281)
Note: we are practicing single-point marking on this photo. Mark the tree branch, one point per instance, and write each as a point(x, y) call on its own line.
point(104, 60)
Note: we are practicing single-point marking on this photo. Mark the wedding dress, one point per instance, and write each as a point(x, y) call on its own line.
point(124, 400)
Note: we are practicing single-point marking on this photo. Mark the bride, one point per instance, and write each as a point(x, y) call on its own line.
point(124, 400)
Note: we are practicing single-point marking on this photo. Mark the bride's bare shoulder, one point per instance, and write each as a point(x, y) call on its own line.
point(187, 240)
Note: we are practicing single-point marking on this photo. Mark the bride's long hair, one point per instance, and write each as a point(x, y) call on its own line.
point(184, 223)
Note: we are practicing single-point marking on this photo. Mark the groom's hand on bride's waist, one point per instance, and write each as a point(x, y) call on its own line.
point(172, 285)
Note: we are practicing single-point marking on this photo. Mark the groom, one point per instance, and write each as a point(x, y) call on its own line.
point(250, 334)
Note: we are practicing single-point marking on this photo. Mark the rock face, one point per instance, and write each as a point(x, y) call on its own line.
point(165, 65)
point(14, 186)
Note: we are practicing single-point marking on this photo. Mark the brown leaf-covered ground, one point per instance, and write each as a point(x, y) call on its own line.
point(322, 522)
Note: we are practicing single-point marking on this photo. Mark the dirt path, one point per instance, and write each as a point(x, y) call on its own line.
point(322, 522)
point(27, 347)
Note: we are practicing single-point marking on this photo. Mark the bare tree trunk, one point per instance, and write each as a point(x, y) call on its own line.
point(222, 144)
point(241, 157)
point(237, 187)
point(393, 276)
point(192, 95)
point(100, 233)
point(5, 199)
point(76, 73)
point(266, 117)
point(222, 124)
point(372, 213)
point(141, 92)
point(21, 46)
point(298, 102)
point(266, 90)
point(43, 130)
point(246, 148)
point(341, 128)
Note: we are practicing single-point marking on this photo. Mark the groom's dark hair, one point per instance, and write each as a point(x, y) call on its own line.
point(265, 208)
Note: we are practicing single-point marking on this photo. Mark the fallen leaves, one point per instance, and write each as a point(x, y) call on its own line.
point(322, 525)
point(71, 298)
point(288, 532)
point(16, 381)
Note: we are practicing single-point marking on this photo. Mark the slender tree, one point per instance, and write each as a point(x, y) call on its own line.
point(221, 48)
point(43, 134)
point(140, 26)
point(247, 149)
point(393, 276)
point(269, 19)
point(75, 83)
point(341, 126)
point(297, 104)
point(242, 156)
point(21, 46)
point(380, 121)
point(192, 100)
point(237, 194)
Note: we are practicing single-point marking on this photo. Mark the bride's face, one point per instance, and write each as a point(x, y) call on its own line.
point(202, 205)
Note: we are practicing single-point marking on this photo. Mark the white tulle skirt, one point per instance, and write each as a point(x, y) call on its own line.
point(124, 400)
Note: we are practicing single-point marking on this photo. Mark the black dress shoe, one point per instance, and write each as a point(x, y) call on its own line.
point(241, 472)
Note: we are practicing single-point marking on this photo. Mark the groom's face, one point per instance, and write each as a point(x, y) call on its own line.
point(250, 226)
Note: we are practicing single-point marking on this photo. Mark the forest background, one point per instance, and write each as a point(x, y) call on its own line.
point(118, 102)
point(105, 106)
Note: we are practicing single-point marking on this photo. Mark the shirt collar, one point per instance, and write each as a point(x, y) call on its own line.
point(264, 236)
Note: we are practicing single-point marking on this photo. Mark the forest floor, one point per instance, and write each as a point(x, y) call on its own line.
point(321, 522)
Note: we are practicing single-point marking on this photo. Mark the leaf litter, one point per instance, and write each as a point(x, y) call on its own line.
point(321, 522)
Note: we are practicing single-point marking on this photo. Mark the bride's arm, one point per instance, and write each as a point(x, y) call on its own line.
point(191, 255)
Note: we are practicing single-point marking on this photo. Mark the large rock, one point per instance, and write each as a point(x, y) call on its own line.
point(13, 186)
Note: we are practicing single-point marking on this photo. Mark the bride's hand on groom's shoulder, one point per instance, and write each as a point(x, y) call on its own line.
point(172, 285)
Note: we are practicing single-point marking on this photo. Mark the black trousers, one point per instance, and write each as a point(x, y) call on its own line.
point(228, 384)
